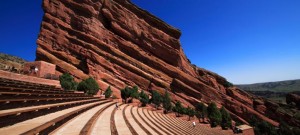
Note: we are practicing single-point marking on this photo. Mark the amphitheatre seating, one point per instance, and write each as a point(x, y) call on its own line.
point(131, 121)
point(139, 120)
point(36, 125)
point(102, 123)
point(30, 108)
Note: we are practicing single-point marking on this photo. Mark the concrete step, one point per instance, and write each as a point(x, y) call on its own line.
point(149, 123)
point(121, 126)
point(102, 124)
point(142, 122)
point(131, 123)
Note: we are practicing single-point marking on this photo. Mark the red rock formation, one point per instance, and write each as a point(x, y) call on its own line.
point(293, 98)
point(120, 44)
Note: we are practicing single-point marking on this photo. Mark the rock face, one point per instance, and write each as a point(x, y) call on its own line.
point(293, 97)
point(120, 44)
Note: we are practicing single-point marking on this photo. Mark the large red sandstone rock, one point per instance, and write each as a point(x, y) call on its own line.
point(120, 44)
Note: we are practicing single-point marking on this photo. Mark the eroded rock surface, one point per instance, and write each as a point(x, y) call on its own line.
point(120, 44)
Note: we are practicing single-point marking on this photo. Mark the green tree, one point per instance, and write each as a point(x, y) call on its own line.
point(128, 92)
point(144, 98)
point(227, 84)
point(167, 102)
point(226, 119)
point(108, 92)
point(214, 115)
point(67, 82)
point(284, 129)
point(178, 109)
point(201, 111)
point(89, 86)
point(134, 92)
point(190, 112)
point(264, 128)
point(125, 93)
point(156, 98)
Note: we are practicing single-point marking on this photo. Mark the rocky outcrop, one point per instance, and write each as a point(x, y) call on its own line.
point(120, 44)
point(293, 98)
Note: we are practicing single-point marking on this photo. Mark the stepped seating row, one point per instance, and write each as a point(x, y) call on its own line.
point(23, 84)
point(14, 96)
point(22, 102)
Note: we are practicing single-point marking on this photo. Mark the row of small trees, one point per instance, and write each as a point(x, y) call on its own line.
point(89, 85)
point(216, 116)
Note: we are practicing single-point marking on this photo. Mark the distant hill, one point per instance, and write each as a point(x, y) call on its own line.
point(281, 86)
point(275, 91)
point(7, 62)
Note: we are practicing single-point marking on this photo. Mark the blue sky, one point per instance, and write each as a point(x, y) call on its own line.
point(246, 41)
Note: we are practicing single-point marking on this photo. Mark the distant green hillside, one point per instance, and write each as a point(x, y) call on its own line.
point(282, 86)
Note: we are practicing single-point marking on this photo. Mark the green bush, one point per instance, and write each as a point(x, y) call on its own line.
point(201, 111)
point(135, 92)
point(89, 86)
point(108, 92)
point(226, 119)
point(167, 105)
point(67, 82)
point(178, 109)
point(214, 115)
point(190, 112)
point(128, 92)
point(144, 98)
point(262, 127)
point(156, 98)
point(227, 84)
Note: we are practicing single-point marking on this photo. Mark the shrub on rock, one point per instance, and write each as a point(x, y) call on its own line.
point(214, 115)
point(201, 111)
point(108, 92)
point(128, 92)
point(67, 82)
point(178, 109)
point(190, 112)
point(167, 105)
point(156, 98)
point(89, 86)
point(144, 98)
point(226, 119)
